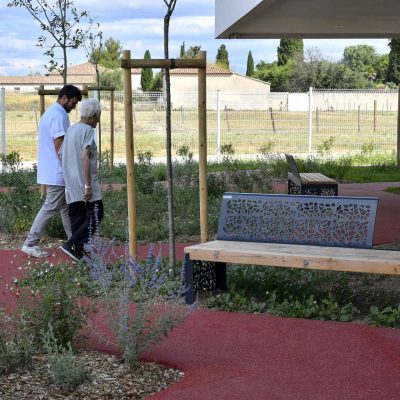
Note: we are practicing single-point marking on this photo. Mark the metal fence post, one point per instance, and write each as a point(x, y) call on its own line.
point(3, 121)
point(310, 94)
point(398, 127)
point(218, 149)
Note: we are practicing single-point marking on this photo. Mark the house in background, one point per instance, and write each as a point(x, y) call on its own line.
point(78, 75)
point(235, 90)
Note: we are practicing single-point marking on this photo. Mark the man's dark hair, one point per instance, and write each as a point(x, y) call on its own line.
point(70, 91)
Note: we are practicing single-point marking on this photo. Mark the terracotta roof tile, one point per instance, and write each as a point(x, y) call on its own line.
point(210, 70)
point(87, 69)
point(77, 74)
point(42, 80)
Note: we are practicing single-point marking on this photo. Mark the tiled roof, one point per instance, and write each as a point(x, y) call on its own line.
point(43, 80)
point(88, 69)
point(80, 69)
point(77, 74)
point(210, 70)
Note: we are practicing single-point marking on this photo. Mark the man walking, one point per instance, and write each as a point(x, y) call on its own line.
point(52, 127)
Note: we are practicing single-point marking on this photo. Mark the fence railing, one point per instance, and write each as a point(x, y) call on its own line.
point(300, 123)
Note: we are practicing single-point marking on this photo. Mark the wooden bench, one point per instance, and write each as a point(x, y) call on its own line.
point(309, 183)
point(313, 232)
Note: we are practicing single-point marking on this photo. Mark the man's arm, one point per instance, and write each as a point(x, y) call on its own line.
point(58, 142)
point(86, 174)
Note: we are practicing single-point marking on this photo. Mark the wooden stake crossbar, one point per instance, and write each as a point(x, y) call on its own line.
point(199, 63)
point(161, 63)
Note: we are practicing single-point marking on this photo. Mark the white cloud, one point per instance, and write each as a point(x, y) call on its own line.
point(11, 42)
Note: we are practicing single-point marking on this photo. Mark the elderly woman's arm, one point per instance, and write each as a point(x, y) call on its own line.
point(86, 174)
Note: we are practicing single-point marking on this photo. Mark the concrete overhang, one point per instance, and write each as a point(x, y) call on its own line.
point(274, 19)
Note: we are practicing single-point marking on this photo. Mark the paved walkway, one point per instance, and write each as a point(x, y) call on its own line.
point(230, 356)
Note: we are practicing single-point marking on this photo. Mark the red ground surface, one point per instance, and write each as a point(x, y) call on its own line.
point(246, 356)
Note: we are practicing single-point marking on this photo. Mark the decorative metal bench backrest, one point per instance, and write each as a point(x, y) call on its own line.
point(292, 165)
point(315, 220)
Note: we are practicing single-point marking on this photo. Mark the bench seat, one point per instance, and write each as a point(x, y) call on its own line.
point(309, 178)
point(309, 183)
point(331, 233)
point(298, 256)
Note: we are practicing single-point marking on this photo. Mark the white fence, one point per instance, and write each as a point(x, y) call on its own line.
point(300, 123)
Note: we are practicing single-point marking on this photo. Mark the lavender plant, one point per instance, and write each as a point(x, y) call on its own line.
point(142, 304)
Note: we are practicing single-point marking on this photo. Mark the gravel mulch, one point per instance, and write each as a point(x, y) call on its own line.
point(108, 379)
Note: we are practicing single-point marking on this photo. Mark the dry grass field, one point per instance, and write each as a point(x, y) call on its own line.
point(246, 130)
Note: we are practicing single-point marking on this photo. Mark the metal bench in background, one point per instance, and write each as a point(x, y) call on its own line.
point(313, 232)
point(309, 183)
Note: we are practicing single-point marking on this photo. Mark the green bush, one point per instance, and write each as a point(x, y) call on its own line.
point(16, 344)
point(54, 300)
point(66, 371)
point(388, 316)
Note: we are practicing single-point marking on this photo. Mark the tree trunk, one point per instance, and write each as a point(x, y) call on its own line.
point(170, 191)
point(65, 66)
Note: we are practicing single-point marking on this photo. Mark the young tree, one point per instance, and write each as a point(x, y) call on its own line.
point(170, 193)
point(109, 57)
point(222, 58)
point(182, 52)
point(393, 74)
point(157, 84)
point(63, 26)
point(250, 65)
point(290, 49)
point(93, 46)
point(146, 76)
point(111, 77)
point(110, 54)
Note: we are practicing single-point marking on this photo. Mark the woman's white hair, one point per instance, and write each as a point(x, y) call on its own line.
point(90, 108)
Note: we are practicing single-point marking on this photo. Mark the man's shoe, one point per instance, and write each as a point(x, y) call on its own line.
point(34, 251)
point(69, 251)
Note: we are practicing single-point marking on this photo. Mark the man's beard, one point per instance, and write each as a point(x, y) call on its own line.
point(66, 108)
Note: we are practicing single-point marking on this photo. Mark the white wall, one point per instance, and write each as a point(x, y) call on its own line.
point(236, 91)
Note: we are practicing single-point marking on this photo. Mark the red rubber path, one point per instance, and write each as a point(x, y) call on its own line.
point(245, 356)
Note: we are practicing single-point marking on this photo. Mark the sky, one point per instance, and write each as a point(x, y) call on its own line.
point(138, 25)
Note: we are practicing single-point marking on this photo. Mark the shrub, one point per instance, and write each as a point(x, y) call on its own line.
point(65, 369)
point(16, 344)
point(388, 316)
point(153, 314)
point(53, 300)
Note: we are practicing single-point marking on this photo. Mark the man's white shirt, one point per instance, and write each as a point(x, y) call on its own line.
point(53, 124)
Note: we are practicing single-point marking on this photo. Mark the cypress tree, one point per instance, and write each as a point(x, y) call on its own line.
point(183, 52)
point(222, 58)
point(146, 76)
point(288, 49)
point(393, 73)
point(250, 65)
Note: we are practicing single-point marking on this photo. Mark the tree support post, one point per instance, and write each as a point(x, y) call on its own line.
point(130, 167)
point(203, 150)
point(42, 109)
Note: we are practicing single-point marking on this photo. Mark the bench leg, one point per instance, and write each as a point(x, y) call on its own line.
point(293, 189)
point(188, 280)
point(220, 275)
